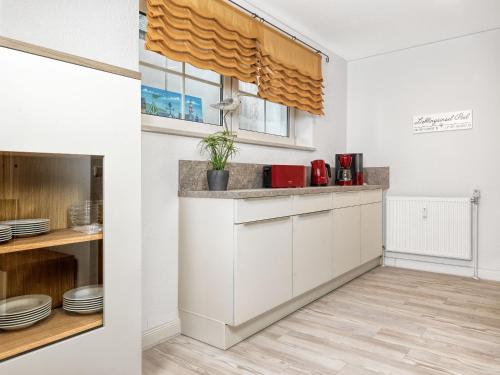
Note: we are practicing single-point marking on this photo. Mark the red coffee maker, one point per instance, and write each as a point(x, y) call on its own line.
point(357, 175)
point(344, 174)
point(320, 173)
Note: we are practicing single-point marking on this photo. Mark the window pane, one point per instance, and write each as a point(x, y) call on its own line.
point(174, 65)
point(157, 59)
point(153, 57)
point(276, 119)
point(161, 80)
point(207, 75)
point(161, 93)
point(198, 98)
point(252, 114)
point(249, 88)
point(143, 25)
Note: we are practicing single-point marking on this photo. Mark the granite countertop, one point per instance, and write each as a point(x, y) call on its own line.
point(261, 193)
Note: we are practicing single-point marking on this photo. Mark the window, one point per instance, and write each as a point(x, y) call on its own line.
point(177, 90)
point(259, 115)
point(181, 91)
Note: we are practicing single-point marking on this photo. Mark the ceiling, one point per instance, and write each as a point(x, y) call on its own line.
point(355, 29)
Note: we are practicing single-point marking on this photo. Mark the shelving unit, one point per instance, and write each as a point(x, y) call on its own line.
point(35, 185)
point(54, 238)
point(58, 326)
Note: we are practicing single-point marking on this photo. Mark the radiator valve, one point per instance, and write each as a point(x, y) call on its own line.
point(476, 194)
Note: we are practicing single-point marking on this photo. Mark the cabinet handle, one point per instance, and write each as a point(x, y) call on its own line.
point(311, 195)
point(315, 213)
point(344, 193)
point(253, 199)
point(281, 218)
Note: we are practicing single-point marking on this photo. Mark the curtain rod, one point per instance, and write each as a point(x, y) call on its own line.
point(263, 20)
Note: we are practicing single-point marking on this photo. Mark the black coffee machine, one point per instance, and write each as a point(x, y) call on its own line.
point(356, 169)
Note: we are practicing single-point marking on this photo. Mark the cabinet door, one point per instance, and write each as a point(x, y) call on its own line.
point(263, 267)
point(371, 231)
point(312, 250)
point(347, 239)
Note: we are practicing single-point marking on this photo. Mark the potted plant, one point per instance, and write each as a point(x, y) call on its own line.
point(220, 148)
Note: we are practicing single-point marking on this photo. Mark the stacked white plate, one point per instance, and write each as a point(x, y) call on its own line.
point(84, 300)
point(27, 227)
point(24, 311)
point(5, 233)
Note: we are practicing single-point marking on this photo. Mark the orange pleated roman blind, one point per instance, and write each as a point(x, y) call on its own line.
point(289, 73)
point(212, 34)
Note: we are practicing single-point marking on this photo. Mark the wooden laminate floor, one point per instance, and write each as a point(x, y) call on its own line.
point(388, 321)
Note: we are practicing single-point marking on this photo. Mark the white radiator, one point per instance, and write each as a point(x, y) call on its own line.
point(439, 227)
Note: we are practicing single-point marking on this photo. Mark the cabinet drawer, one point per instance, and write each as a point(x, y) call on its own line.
point(311, 203)
point(254, 209)
point(371, 196)
point(346, 199)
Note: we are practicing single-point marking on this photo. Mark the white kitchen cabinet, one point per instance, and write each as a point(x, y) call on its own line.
point(347, 239)
point(312, 250)
point(263, 267)
point(371, 231)
point(247, 262)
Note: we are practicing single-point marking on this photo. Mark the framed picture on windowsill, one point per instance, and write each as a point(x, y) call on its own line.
point(194, 108)
point(158, 102)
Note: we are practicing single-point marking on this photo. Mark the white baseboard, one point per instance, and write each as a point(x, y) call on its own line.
point(429, 267)
point(493, 275)
point(164, 332)
point(450, 269)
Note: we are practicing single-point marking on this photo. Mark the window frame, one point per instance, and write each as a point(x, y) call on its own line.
point(229, 86)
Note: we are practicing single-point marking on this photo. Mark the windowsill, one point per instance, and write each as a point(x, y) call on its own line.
point(194, 134)
point(177, 127)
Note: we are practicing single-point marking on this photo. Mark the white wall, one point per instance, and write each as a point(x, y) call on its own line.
point(160, 156)
point(385, 92)
point(99, 30)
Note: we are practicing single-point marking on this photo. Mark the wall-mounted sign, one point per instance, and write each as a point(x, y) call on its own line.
point(439, 122)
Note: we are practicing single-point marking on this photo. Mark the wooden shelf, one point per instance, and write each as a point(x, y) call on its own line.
point(58, 326)
point(54, 238)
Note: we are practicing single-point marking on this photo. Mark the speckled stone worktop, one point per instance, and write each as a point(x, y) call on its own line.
point(245, 181)
point(262, 193)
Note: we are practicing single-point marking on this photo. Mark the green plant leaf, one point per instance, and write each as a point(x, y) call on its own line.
point(219, 147)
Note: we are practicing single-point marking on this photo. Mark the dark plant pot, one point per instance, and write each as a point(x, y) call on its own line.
point(217, 180)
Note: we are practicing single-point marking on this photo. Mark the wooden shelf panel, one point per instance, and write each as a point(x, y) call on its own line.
point(58, 326)
point(54, 238)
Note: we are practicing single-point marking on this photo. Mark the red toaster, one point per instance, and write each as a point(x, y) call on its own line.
point(284, 176)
